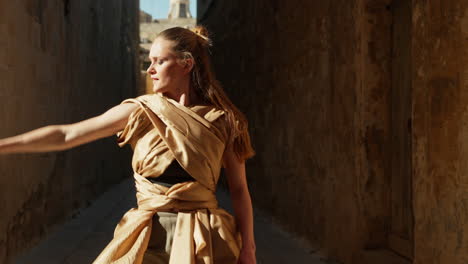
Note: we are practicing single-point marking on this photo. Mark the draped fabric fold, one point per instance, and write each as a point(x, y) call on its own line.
point(159, 131)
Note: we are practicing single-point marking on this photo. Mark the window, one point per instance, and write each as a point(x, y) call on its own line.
point(182, 10)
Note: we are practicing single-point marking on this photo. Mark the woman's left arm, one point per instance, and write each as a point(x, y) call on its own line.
point(240, 196)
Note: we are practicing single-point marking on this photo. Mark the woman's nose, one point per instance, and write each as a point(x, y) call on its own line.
point(150, 69)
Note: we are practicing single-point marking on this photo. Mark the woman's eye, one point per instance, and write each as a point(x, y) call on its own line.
point(160, 62)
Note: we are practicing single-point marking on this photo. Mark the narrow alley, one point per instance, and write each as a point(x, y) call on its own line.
point(356, 111)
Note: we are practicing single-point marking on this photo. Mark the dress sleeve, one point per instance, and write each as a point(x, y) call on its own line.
point(136, 125)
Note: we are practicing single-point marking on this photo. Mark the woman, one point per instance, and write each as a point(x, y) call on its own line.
point(181, 136)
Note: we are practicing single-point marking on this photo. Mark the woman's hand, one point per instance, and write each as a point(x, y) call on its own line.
point(247, 256)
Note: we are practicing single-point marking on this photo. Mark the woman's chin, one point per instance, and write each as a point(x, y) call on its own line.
point(159, 89)
point(156, 89)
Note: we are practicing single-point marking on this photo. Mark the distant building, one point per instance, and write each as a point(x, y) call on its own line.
point(148, 31)
point(145, 17)
point(179, 9)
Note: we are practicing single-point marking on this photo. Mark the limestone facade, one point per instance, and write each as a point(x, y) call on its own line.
point(60, 62)
point(149, 31)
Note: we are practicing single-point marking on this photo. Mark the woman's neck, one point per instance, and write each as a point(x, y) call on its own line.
point(184, 96)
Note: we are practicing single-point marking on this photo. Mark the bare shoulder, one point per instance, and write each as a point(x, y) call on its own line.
point(115, 118)
point(106, 124)
point(121, 111)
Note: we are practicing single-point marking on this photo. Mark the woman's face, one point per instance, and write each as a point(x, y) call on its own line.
point(166, 71)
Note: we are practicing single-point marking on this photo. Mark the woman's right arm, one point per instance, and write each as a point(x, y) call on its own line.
point(61, 137)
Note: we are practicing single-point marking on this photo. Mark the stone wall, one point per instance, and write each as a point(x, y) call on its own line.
point(61, 61)
point(440, 92)
point(358, 115)
point(313, 81)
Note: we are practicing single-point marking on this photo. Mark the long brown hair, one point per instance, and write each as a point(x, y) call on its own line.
point(194, 43)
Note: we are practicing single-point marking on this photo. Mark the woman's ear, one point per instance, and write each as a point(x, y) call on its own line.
point(188, 65)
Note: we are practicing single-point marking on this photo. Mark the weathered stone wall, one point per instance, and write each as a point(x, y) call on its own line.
point(61, 61)
point(440, 92)
point(374, 112)
point(358, 114)
point(313, 80)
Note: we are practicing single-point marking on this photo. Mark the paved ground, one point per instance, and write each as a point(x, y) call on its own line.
point(80, 240)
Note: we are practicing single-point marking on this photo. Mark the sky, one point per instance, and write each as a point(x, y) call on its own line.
point(160, 8)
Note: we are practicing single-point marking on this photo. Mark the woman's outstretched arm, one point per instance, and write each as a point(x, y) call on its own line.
point(61, 137)
point(240, 196)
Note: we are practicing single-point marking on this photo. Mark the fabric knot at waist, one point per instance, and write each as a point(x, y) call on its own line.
point(200, 224)
point(184, 196)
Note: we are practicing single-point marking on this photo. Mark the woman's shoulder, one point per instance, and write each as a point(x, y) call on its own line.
point(137, 100)
point(208, 112)
point(144, 98)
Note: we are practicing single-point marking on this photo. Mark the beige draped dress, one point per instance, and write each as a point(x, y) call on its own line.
point(159, 131)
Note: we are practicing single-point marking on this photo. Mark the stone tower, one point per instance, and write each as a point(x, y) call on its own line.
point(179, 9)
